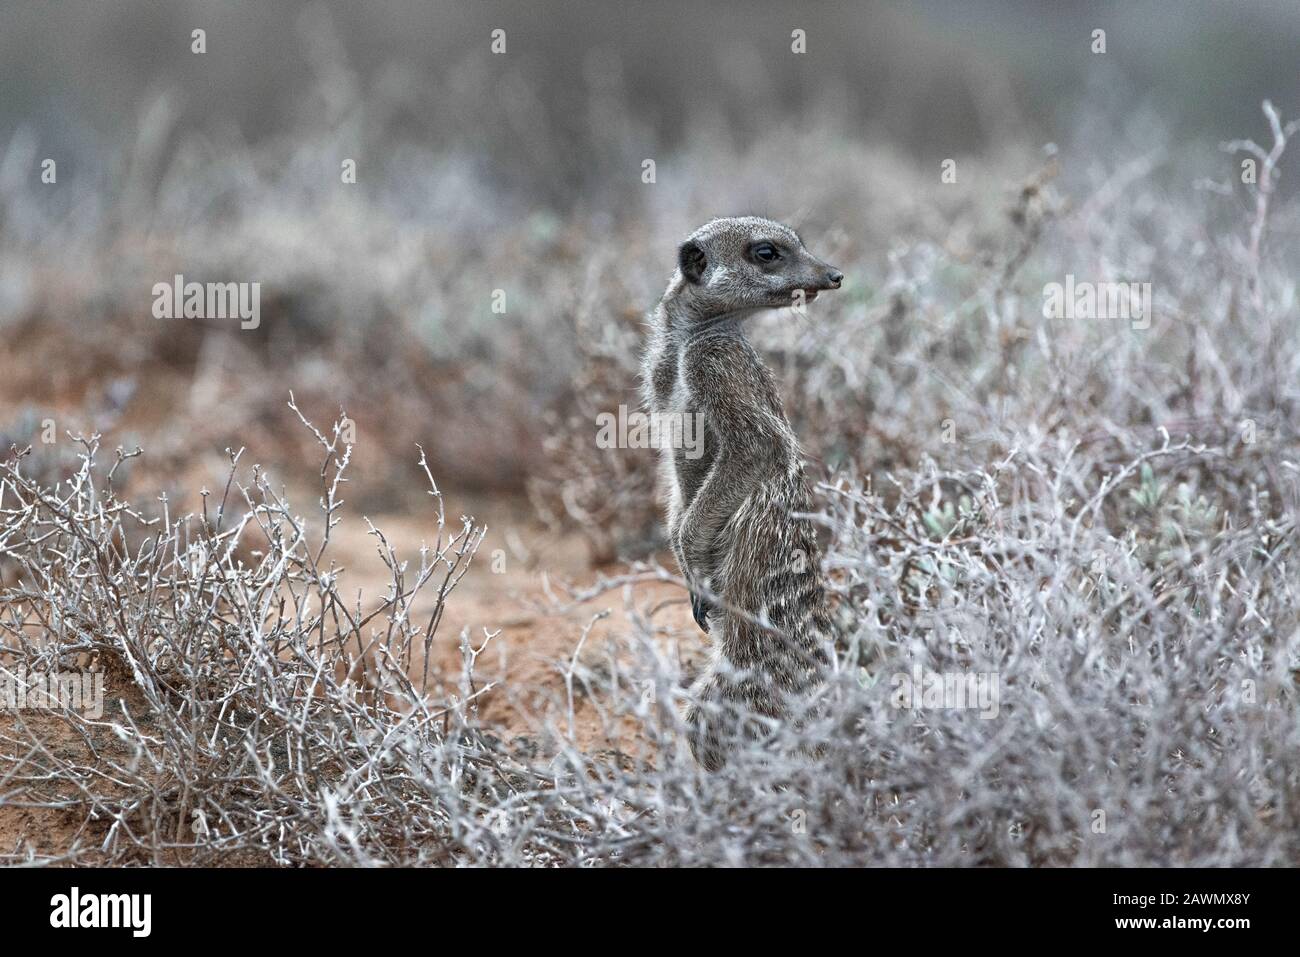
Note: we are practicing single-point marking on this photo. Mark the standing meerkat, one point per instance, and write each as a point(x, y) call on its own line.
point(753, 568)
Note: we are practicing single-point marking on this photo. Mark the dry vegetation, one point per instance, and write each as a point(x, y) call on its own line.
point(1102, 516)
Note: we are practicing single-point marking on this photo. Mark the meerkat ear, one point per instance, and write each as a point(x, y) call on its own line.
point(691, 260)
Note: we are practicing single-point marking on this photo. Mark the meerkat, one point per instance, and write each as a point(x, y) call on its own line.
point(752, 567)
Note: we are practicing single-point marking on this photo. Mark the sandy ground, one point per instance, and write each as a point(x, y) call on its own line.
point(514, 598)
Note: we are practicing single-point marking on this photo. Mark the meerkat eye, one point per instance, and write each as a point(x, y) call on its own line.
point(765, 252)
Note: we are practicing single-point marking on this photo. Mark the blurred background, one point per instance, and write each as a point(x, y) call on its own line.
point(543, 123)
point(521, 172)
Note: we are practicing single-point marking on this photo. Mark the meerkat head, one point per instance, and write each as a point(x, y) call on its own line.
point(748, 263)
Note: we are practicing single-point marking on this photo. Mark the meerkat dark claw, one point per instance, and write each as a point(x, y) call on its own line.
point(700, 606)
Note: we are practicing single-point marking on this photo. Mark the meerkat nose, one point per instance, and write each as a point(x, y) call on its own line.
point(834, 277)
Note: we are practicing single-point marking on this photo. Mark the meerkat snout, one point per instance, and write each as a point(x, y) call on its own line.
point(831, 279)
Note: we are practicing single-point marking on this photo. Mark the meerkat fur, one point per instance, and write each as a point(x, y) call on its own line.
point(752, 566)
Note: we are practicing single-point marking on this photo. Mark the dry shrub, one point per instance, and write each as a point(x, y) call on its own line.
point(1142, 714)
